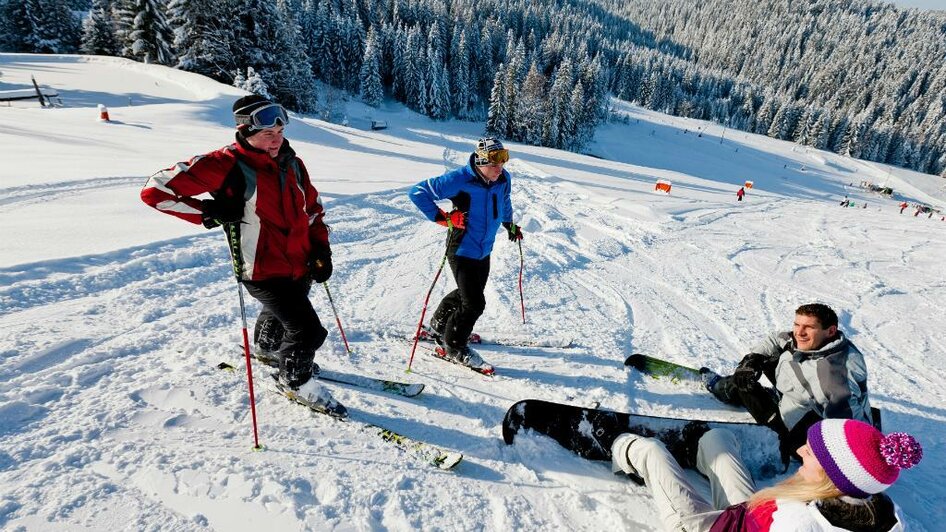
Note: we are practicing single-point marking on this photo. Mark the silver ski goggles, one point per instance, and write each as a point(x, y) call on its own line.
point(267, 116)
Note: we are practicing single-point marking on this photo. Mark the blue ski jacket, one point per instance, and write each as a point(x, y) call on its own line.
point(485, 205)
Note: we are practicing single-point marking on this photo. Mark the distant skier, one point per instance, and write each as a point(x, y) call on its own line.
point(903, 206)
point(278, 237)
point(480, 193)
point(818, 373)
point(846, 467)
point(741, 193)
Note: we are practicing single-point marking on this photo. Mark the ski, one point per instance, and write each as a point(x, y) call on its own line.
point(589, 432)
point(425, 452)
point(428, 335)
point(405, 389)
point(371, 383)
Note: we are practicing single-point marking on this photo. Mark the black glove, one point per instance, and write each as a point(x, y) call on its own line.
point(513, 231)
point(217, 212)
point(320, 267)
point(749, 370)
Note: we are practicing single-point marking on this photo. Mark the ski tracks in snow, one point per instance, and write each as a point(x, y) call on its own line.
point(138, 332)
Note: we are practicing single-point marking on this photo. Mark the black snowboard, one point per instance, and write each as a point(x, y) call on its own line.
point(590, 432)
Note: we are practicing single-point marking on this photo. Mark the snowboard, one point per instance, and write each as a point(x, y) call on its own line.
point(657, 368)
point(589, 432)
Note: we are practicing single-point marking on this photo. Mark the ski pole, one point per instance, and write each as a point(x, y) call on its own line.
point(522, 265)
point(337, 320)
point(233, 244)
point(423, 312)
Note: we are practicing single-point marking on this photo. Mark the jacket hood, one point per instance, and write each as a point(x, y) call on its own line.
point(860, 515)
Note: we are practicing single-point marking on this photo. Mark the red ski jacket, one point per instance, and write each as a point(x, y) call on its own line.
point(282, 222)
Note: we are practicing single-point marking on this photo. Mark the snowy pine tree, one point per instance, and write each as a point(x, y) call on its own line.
point(460, 80)
point(47, 27)
point(252, 82)
point(371, 90)
point(530, 114)
point(98, 36)
point(497, 121)
point(147, 36)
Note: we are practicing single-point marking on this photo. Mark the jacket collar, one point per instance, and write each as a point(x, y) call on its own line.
point(260, 157)
point(839, 343)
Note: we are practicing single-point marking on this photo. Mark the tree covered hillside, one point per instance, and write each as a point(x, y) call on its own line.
point(856, 77)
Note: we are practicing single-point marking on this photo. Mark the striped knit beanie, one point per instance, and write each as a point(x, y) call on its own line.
point(858, 458)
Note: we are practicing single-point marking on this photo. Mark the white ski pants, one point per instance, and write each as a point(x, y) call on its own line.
point(680, 506)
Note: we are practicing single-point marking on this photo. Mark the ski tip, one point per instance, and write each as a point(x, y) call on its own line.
point(448, 461)
point(413, 390)
point(634, 360)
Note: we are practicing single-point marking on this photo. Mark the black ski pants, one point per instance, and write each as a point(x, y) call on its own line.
point(286, 302)
point(760, 401)
point(460, 309)
point(762, 404)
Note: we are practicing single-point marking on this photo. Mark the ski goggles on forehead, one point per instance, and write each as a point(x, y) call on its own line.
point(493, 157)
point(265, 117)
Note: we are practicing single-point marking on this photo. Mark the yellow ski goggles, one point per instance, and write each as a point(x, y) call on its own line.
point(492, 157)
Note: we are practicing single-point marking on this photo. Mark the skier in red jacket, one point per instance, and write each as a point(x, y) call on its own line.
point(261, 192)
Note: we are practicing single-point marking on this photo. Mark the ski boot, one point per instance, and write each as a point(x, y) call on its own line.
point(465, 356)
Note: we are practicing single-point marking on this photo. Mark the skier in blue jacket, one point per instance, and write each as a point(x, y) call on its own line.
point(480, 193)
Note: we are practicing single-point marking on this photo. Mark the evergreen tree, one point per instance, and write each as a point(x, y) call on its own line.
point(766, 114)
point(438, 83)
point(512, 84)
point(530, 113)
point(47, 27)
point(460, 80)
point(252, 82)
point(415, 88)
point(290, 79)
point(575, 131)
point(371, 91)
point(98, 37)
point(146, 36)
point(558, 110)
point(205, 40)
point(438, 86)
point(497, 121)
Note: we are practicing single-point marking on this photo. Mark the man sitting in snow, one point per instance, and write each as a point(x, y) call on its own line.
point(817, 371)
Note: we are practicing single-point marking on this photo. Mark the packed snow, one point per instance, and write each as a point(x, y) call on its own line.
point(114, 317)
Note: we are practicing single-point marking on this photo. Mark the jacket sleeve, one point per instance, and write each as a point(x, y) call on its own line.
point(772, 346)
point(507, 199)
point(427, 192)
point(843, 381)
point(318, 231)
point(172, 190)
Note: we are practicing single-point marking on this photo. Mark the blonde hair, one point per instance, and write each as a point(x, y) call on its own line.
point(797, 488)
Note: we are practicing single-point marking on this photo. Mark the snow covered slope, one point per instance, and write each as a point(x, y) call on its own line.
point(113, 317)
